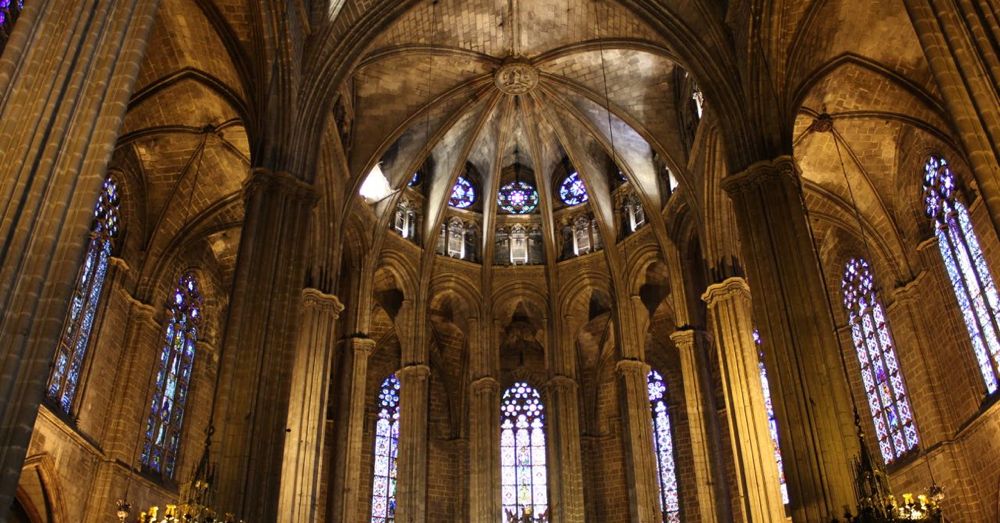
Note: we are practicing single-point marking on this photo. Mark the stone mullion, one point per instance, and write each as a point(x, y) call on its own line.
point(259, 346)
point(644, 487)
point(758, 483)
point(301, 473)
point(350, 426)
point(810, 392)
point(964, 62)
point(484, 450)
point(703, 425)
point(411, 489)
point(58, 138)
point(565, 469)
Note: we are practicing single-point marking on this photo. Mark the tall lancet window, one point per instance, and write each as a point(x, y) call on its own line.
point(963, 258)
point(880, 374)
point(386, 450)
point(772, 420)
point(166, 414)
point(65, 374)
point(663, 446)
point(522, 452)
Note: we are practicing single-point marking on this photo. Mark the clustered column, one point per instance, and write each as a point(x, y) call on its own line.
point(758, 485)
point(563, 419)
point(484, 442)
point(301, 471)
point(411, 490)
point(803, 361)
point(637, 418)
point(259, 348)
point(350, 426)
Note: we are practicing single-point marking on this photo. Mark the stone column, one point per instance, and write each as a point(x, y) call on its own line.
point(713, 504)
point(644, 487)
point(484, 450)
point(959, 40)
point(258, 350)
point(562, 406)
point(411, 490)
point(66, 75)
point(758, 484)
point(345, 476)
point(301, 473)
point(803, 358)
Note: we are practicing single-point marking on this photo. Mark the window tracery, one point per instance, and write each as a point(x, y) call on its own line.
point(663, 446)
point(517, 197)
point(463, 194)
point(963, 258)
point(386, 451)
point(65, 374)
point(524, 476)
point(572, 191)
point(166, 414)
point(405, 222)
point(881, 377)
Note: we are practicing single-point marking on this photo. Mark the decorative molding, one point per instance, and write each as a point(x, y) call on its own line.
point(263, 179)
point(319, 300)
point(632, 367)
point(761, 173)
point(729, 287)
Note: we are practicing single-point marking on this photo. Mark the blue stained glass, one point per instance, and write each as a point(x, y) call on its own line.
point(772, 420)
point(963, 258)
point(573, 191)
point(463, 194)
point(517, 198)
point(166, 413)
point(65, 374)
point(663, 447)
point(887, 397)
point(524, 485)
point(386, 451)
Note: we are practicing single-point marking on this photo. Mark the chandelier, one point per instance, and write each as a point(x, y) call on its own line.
point(194, 510)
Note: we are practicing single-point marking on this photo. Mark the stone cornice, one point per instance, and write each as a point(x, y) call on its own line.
point(761, 172)
point(733, 286)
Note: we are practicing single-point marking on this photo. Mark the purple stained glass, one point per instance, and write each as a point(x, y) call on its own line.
point(887, 397)
point(572, 191)
point(963, 258)
point(663, 447)
point(463, 194)
point(517, 198)
point(524, 485)
point(65, 375)
point(166, 413)
point(771, 418)
point(386, 451)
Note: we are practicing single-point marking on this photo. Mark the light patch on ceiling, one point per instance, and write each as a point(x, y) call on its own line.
point(376, 186)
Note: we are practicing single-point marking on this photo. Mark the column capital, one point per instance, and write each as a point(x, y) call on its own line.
point(321, 301)
point(416, 372)
point(485, 383)
point(266, 180)
point(119, 264)
point(361, 345)
point(634, 367)
point(782, 167)
point(733, 286)
point(560, 381)
point(144, 311)
point(687, 338)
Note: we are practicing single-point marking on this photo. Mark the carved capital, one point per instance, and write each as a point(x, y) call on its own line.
point(486, 383)
point(734, 286)
point(280, 183)
point(632, 367)
point(560, 382)
point(413, 372)
point(361, 346)
point(782, 167)
point(119, 264)
point(687, 339)
point(319, 300)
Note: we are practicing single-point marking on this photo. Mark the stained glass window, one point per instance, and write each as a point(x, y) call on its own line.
point(772, 421)
point(518, 197)
point(663, 446)
point(415, 180)
point(887, 399)
point(65, 374)
point(166, 414)
point(572, 191)
point(463, 194)
point(963, 258)
point(386, 450)
point(522, 452)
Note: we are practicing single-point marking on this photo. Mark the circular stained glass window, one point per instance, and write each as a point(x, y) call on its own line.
point(572, 191)
point(463, 194)
point(416, 179)
point(518, 198)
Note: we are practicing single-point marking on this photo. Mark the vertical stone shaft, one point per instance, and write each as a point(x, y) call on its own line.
point(411, 490)
point(484, 458)
point(562, 407)
point(758, 484)
point(959, 40)
point(301, 470)
point(700, 405)
point(259, 345)
point(806, 377)
point(644, 488)
point(65, 79)
point(345, 476)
